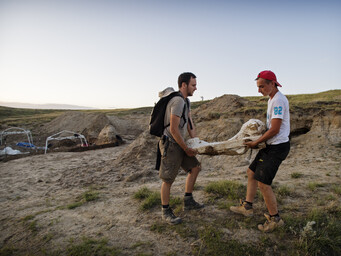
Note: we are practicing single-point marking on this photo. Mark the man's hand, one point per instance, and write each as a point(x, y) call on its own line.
point(191, 152)
point(275, 127)
point(251, 144)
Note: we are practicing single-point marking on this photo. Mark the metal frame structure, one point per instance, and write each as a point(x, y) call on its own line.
point(14, 131)
point(73, 136)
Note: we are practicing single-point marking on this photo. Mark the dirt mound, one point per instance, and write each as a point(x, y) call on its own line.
point(130, 163)
point(323, 130)
point(107, 135)
point(88, 124)
point(221, 118)
point(219, 129)
point(130, 126)
point(141, 149)
point(138, 159)
point(209, 118)
point(328, 126)
point(217, 106)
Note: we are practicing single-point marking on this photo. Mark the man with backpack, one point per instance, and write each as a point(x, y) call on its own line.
point(174, 151)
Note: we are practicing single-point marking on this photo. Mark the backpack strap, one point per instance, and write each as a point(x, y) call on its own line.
point(189, 120)
point(183, 114)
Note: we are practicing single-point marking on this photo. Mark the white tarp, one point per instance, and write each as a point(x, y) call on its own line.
point(10, 151)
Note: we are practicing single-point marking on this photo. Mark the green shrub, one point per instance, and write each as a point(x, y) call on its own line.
point(142, 193)
point(318, 232)
point(8, 251)
point(175, 201)
point(336, 189)
point(296, 175)
point(330, 198)
point(185, 230)
point(319, 216)
point(335, 211)
point(74, 205)
point(226, 188)
point(91, 247)
point(313, 185)
point(30, 223)
point(293, 223)
point(141, 244)
point(158, 227)
point(28, 217)
point(213, 243)
point(259, 195)
point(151, 201)
point(325, 237)
point(87, 196)
point(91, 196)
point(284, 190)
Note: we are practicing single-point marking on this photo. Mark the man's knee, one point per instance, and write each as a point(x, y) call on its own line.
point(197, 168)
point(250, 173)
point(167, 183)
point(264, 187)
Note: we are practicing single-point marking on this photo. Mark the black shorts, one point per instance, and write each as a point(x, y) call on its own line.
point(266, 163)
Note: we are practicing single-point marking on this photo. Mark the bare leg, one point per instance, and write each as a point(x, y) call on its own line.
point(269, 198)
point(165, 193)
point(191, 178)
point(251, 186)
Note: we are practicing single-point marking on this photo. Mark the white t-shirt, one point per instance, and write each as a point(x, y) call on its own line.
point(278, 107)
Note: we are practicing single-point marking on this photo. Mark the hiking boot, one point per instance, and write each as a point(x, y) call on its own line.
point(169, 216)
point(243, 208)
point(271, 223)
point(191, 204)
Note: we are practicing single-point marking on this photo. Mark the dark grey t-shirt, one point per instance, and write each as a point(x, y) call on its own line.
point(176, 106)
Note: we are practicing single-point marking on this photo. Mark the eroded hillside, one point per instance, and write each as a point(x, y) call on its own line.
point(106, 201)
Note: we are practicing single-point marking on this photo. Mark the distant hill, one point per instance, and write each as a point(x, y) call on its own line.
point(41, 106)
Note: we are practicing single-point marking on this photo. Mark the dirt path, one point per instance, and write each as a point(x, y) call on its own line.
point(36, 194)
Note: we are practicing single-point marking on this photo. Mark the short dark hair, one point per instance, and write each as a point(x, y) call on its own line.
point(266, 80)
point(185, 78)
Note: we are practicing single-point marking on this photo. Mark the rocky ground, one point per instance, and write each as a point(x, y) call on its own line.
point(50, 204)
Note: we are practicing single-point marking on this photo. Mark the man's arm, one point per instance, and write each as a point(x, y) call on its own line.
point(275, 126)
point(174, 130)
point(192, 133)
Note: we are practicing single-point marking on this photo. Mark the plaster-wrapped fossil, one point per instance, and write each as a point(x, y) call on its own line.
point(251, 130)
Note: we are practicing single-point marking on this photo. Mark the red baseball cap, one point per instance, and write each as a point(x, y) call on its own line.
point(268, 75)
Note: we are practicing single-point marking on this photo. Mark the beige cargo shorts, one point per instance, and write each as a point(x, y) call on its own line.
point(172, 158)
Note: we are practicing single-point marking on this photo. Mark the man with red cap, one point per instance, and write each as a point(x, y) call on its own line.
point(263, 169)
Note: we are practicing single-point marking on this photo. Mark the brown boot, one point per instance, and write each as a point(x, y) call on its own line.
point(169, 216)
point(271, 223)
point(191, 204)
point(241, 209)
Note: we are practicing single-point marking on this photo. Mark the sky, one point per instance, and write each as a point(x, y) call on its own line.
point(120, 54)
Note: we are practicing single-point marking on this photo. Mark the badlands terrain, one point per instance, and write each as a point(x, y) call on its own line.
point(105, 201)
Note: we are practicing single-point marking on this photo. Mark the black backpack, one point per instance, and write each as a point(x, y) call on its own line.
point(157, 117)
